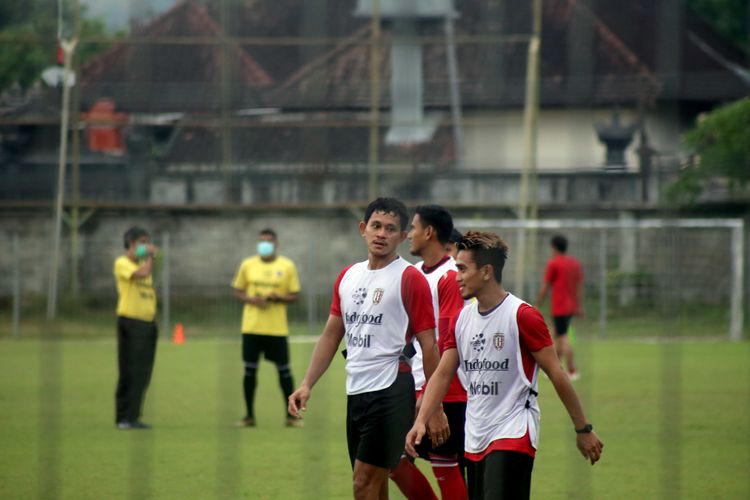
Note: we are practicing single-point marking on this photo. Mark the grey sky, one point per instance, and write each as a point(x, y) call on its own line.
point(117, 13)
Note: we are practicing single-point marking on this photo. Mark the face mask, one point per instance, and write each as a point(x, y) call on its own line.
point(141, 251)
point(265, 248)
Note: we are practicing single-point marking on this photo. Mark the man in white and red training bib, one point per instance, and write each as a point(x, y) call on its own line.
point(499, 342)
point(430, 231)
point(378, 306)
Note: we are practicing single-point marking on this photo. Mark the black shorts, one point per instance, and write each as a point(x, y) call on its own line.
point(377, 423)
point(273, 348)
point(562, 323)
point(501, 474)
point(456, 414)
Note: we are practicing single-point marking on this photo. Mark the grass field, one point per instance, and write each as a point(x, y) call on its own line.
point(212, 318)
point(675, 419)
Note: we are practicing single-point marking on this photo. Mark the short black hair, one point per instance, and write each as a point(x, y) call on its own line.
point(437, 217)
point(560, 243)
point(388, 206)
point(488, 248)
point(455, 236)
point(268, 231)
point(132, 235)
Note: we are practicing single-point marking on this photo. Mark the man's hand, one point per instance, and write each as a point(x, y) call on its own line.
point(438, 429)
point(152, 249)
point(590, 446)
point(298, 401)
point(259, 302)
point(414, 438)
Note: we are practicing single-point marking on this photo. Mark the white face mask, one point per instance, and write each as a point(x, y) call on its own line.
point(265, 248)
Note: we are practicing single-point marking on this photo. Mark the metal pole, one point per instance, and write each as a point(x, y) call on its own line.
point(372, 177)
point(531, 109)
point(603, 282)
point(311, 298)
point(16, 287)
point(738, 278)
point(165, 285)
point(450, 50)
point(530, 119)
point(68, 47)
point(226, 129)
point(75, 160)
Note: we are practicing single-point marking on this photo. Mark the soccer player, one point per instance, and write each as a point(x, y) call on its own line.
point(565, 278)
point(430, 230)
point(266, 283)
point(378, 306)
point(499, 342)
point(451, 248)
point(136, 328)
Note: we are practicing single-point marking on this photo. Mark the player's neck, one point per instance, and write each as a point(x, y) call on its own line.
point(268, 259)
point(375, 262)
point(490, 296)
point(432, 255)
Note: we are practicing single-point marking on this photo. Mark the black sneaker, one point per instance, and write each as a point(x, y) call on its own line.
point(124, 425)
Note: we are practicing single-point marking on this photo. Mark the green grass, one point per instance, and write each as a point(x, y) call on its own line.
point(90, 317)
point(674, 419)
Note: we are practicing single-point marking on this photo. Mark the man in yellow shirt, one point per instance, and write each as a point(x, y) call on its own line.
point(266, 283)
point(136, 328)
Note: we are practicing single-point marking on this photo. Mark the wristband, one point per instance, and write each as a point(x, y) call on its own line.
point(586, 429)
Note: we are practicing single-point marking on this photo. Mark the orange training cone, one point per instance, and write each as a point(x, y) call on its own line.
point(178, 335)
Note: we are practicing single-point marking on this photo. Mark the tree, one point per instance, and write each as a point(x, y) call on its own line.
point(721, 143)
point(731, 18)
point(28, 40)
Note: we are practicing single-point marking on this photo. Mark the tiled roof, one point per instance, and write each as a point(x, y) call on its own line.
point(622, 61)
point(173, 77)
point(489, 73)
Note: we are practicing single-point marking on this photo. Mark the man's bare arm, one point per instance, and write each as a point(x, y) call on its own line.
point(321, 359)
point(437, 388)
point(588, 444)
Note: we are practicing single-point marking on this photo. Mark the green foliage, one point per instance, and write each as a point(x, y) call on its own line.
point(22, 62)
point(33, 30)
point(641, 282)
point(721, 141)
point(728, 17)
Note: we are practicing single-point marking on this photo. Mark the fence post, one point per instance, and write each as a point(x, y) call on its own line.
point(603, 282)
point(165, 286)
point(738, 270)
point(311, 298)
point(16, 287)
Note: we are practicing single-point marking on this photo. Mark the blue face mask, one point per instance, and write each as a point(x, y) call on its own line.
point(265, 248)
point(141, 251)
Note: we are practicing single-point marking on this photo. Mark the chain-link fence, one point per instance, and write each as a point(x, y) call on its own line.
point(644, 278)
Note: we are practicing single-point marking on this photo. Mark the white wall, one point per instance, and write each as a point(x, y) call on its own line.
point(567, 139)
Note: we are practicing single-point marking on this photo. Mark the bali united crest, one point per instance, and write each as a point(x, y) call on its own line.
point(377, 295)
point(359, 296)
point(498, 340)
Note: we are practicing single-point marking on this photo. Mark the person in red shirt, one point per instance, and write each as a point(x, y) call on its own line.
point(565, 279)
point(499, 343)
